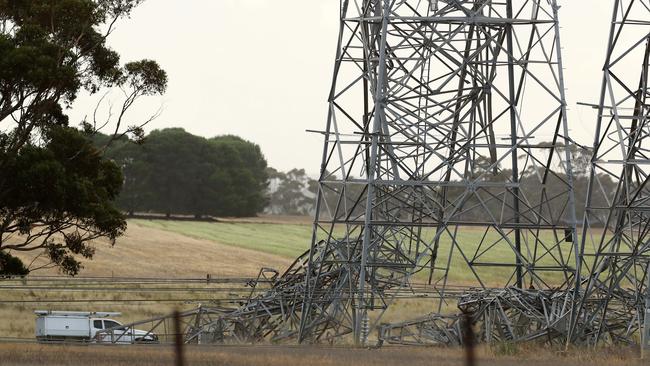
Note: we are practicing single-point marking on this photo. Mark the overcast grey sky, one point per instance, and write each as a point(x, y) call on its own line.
point(261, 69)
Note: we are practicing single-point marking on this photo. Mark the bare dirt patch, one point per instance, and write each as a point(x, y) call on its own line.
point(271, 219)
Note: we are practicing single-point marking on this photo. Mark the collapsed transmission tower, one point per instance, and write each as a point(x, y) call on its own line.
point(446, 159)
point(616, 232)
point(446, 174)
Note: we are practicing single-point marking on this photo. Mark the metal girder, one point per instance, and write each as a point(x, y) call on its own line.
point(615, 239)
point(646, 325)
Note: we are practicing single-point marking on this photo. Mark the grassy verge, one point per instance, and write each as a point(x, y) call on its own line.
point(55, 355)
point(135, 301)
point(288, 240)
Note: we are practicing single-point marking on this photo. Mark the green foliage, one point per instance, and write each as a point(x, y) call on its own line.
point(243, 178)
point(57, 47)
point(60, 198)
point(286, 240)
point(175, 172)
point(293, 192)
point(50, 51)
point(56, 189)
point(146, 77)
point(11, 266)
point(505, 348)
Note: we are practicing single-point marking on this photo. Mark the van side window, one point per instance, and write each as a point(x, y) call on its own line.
point(110, 324)
point(97, 324)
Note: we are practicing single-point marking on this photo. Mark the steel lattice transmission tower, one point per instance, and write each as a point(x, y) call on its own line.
point(446, 158)
point(616, 235)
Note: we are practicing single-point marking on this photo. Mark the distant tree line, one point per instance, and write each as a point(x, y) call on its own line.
point(291, 193)
point(294, 193)
point(175, 172)
point(550, 199)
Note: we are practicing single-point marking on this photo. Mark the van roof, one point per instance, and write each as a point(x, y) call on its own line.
point(95, 314)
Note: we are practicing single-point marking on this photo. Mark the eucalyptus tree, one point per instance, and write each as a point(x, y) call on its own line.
point(56, 188)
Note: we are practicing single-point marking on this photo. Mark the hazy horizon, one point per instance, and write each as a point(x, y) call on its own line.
point(262, 69)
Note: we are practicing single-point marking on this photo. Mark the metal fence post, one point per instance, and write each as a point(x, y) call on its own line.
point(645, 346)
point(178, 337)
point(468, 339)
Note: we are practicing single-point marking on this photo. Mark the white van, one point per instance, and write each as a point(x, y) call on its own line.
point(82, 326)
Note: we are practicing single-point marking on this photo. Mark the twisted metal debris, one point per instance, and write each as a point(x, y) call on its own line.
point(431, 330)
point(499, 315)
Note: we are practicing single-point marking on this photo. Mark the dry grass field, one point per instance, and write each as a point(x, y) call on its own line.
point(147, 251)
point(57, 355)
point(231, 248)
point(143, 252)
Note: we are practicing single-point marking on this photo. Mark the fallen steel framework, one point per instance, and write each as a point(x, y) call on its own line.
point(447, 116)
point(501, 315)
